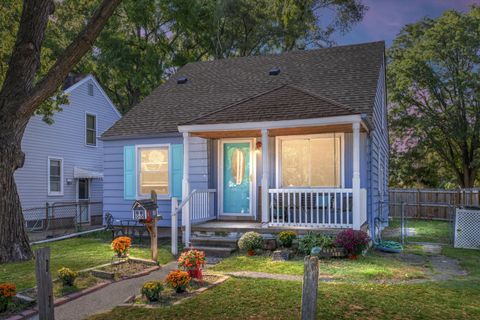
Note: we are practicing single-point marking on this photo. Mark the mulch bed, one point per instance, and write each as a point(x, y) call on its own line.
point(170, 297)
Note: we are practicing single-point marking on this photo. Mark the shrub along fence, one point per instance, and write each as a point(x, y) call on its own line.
point(436, 204)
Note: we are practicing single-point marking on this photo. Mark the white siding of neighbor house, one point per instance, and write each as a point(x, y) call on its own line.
point(64, 139)
point(113, 193)
point(379, 154)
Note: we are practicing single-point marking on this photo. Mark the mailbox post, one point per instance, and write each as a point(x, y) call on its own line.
point(145, 211)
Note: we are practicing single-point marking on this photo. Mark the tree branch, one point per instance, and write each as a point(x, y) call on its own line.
point(71, 56)
point(25, 59)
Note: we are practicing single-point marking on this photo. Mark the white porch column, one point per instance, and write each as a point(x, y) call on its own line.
point(186, 188)
point(356, 176)
point(265, 177)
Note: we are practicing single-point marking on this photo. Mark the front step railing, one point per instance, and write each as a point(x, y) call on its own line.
point(198, 207)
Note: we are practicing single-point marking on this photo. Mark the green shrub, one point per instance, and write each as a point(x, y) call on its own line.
point(67, 276)
point(311, 239)
point(285, 238)
point(151, 290)
point(250, 241)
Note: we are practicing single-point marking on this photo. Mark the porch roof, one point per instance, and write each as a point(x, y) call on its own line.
point(284, 102)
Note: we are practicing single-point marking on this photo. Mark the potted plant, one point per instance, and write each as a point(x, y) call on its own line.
point(178, 280)
point(285, 240)
point(121, 245)
point(67, 276)
point(250, 241)
point(192, 261)
point(151, 290)
point(7, 292)
point(354, 242)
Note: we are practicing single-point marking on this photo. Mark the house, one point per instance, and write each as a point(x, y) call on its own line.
point(64, 161)
point(297, 140)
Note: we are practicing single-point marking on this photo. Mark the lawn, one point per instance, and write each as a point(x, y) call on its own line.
point(370, 267)
point(425, 230)
point(74, 253)
point(242, 298)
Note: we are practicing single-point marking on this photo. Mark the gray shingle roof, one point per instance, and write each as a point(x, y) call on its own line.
point(313, 83)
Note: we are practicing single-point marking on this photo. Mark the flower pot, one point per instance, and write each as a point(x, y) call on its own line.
point(196, 273)
point(250, 252)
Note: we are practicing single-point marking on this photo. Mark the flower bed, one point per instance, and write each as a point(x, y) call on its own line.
point(169, 296)
point(125, 269)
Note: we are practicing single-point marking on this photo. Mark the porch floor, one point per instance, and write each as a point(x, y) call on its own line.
point(245, 226)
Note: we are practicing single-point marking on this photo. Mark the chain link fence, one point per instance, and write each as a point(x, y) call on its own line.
point(62, 218)
point(408, 223)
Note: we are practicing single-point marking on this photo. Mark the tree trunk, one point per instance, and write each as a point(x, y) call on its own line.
point(14, 244)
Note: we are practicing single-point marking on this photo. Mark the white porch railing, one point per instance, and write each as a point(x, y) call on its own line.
point(200, 208)
point(314, 208)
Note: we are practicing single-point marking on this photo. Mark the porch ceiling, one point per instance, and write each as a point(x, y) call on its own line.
point(275, 132)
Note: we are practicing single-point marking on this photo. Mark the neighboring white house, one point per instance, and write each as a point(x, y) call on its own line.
point(64, 161)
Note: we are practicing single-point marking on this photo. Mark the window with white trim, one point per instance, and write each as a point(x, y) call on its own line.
point(310, 161)
point(152, 166)
point(55, 176)
point(91, 129)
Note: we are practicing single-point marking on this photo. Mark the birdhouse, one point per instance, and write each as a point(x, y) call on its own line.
point(145, 210)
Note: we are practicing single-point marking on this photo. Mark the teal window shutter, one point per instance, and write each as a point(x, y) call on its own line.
point(177, 169)
point(129, 173)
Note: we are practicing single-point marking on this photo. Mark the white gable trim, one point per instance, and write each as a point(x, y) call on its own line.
point(99, 87)
point(272, 124)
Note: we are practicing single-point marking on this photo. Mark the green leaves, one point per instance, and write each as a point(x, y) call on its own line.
point(433, 82)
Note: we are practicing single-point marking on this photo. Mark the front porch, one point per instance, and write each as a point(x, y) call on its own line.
point(261, 181)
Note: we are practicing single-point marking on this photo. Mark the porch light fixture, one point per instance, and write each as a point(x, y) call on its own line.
point(258, 145)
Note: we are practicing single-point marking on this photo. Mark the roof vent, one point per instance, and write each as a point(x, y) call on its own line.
point(182, 80)
point(274, 71)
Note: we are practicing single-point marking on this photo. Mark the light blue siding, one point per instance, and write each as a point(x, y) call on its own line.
point(64, 139)
point(113, 186)
point(379, 155)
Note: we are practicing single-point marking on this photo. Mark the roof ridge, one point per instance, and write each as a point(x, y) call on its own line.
point(317, 96)
point(234, 104)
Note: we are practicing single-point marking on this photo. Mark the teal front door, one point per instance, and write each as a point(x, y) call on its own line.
point(236, 176)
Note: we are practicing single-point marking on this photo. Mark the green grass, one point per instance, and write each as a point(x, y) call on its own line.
point(426, 230)
point(370, 267)
point(243, 298)
point(84, 280)
point(240, 298)
point(76, 254)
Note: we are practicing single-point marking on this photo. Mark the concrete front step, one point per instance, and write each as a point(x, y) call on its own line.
point(221, 242)
point(214, 251)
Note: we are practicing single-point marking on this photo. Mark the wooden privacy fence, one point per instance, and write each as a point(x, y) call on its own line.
point(431, 203)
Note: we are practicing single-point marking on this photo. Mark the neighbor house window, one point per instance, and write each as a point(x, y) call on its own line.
point(313, 161)
point(90, 89)
point(153, 170)
point(91, 130)
point(55, 176)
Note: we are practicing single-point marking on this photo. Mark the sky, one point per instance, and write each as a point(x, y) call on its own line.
point(385, 18)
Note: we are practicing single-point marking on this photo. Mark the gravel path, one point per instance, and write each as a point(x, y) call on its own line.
point(107, 298)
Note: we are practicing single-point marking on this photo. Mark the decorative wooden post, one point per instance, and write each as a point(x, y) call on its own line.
point(310, 288)
point(44, 284)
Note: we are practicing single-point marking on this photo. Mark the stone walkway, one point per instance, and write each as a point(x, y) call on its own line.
point(109, 297)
